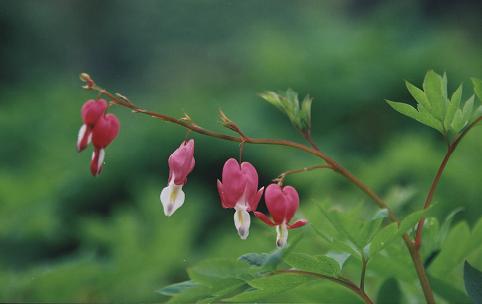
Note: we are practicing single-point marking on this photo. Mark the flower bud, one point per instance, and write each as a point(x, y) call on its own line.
point(181, 163)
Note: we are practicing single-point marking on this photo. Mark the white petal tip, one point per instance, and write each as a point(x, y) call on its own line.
point(242, 222)
point(172, 198)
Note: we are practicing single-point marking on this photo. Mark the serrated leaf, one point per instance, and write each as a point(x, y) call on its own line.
point(424, 118)
point(176, 288)
point(468, 109)
point(389, 292)
point(454, 104)
point(305, 112)
point(477, 113)
point(473, 282)
point(433, 86)
point(289, 104)
point(477, 87)
point(383, 238)
point(418, 95)
point(458, 123)
point(319, 264)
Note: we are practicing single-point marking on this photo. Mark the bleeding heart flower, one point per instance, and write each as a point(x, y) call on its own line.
point(91, 111)
point(104, 132)
point(282, 204)
point(181, 163)
point(239, 190)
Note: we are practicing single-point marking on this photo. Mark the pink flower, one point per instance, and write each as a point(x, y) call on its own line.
point(181, 163)
point(91, 111)
point(282, 204)
point(239, 190)
point(104, 132)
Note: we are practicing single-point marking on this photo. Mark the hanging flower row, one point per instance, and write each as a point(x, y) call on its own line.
point(238, 187)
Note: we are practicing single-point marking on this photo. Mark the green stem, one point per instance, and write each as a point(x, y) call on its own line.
point(338, 280)
point(363, 272)
point(450, 150)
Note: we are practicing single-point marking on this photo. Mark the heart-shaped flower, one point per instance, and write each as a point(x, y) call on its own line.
point(239, 190)
point(282, 204)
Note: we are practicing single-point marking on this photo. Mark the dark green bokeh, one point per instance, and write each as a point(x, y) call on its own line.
point(66, 236)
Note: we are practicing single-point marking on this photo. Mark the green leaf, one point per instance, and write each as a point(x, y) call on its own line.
point(269, 286)
point(473, 282)
point(453, 251)
point(445, 227)
point(382, 238)
point(458, 123)
point(176, 288)
point(419, 95)
point(468, 109)
point(424, 118)
point(477, 113)
point(255, 259)
point(410, 220)
point(477, 87)
point(454, 104)
point(276, 257)
point(289, 104)
point(220, 272)
point(448, 291)
point(434, 87)
point(319, 264)
point(305, 113)
point(192, 295)
point(389, 292)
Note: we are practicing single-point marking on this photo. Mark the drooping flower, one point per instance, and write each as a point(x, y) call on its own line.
point(181, 163)
point(104, 132)
point(91, 111)
point(282, 204)
point(239, 190)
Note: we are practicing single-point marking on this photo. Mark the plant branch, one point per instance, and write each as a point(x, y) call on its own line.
point(280, 179)
point(339, 280)
point(450, 150)
point(313, 150)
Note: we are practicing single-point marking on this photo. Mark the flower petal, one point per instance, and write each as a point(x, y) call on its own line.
point(276, 202)
point(254, 201)
point(172, 198)
point(264, 218)
point(298, 223)
point(292, 202)
point(84, 137)
point(242, 221)
point(281, 235)
point(97, 161)
point(233, 181)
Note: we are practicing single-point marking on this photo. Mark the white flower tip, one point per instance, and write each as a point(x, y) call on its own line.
point(242, 222)
point(172, 198)
point(84, 138)
point(281, 235)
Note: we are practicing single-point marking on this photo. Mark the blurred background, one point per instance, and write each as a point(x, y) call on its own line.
point(68, 237)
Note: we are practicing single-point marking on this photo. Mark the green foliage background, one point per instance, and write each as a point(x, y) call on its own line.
point(66, 236)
